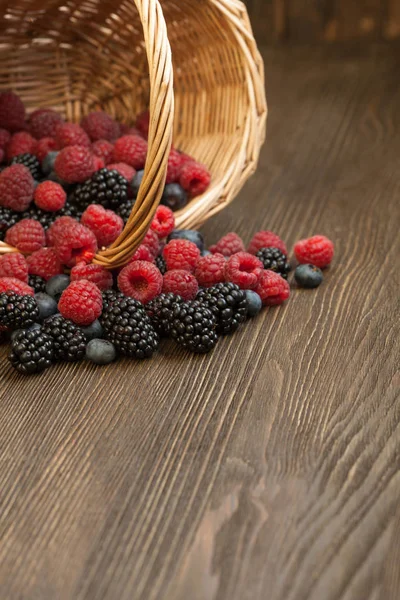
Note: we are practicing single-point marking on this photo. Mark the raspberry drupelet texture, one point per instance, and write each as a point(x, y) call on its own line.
point(103, 149)
point(16, 188)
point(266, 239)
point(132, 150)
point(244, 269)
point(272, 289)
point(140, 280)
point(228, 245)
point(12, 284)
point(317, 250)
point(20, 143)
point(43, 123)
point(98, 163)
point(181, 283)
point(5, 137)
point(75, 243)
point(44, 146)
point(27, 236)
point(71, 134)
point(210, 270)
point(100, 126)
point(152, 241)
point(57, 227)
point(12, 111)
point(94, 273)
point(164, 222)
point(174, 166)
point(105, 224)
point(14, 265)
point(181, 254)
point(81, 302)
point(74, 164)
point(143, 253)
point(195, 178)
point(50, 196)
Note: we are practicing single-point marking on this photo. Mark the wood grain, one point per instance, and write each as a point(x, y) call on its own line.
point(271, 468)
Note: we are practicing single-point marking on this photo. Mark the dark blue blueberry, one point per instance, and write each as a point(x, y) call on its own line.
point(47, 305)
point(135, 183)
point(174, 196)
point(48, 163)
point(56, 285)
point(93, 331)
point(188, 234)
point(100, 352)
point(254, 303)
point(308, 276)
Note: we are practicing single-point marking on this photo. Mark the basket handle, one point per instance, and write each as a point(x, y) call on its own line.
point(161, 108)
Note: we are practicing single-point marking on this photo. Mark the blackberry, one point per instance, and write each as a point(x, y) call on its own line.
point(228, 304)
point(124, 210)
point(37, 283)
point(127, 326)
point(69, 340)
point(194, 327)
point(70, 210)
point(17, 311)
point(8, 218)
point(45, 218)
point(274, 260)
point(161, 264)
point(161, 310)
point(31, 162)
point(110, 296)
point(31, 351)
point(105, 187)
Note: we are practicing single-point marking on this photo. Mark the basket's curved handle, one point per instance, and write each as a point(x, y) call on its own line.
point(159, 141)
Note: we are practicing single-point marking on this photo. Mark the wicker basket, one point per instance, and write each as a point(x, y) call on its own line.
point(81, 56)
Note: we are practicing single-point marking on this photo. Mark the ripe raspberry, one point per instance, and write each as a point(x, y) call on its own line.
point(210, 270)
point(103, 149)
point(272, 288)
point(140, 280)
point(81, 302)
point(228, 245)
point(174, 166)
point(75, 243)
point(163, 222)
point(132, 150)
point(185, 158)
point(2, 155)
point(123, 169)
point(70, 134)
point(44, 122)
point(57, 227)
point(94, 273)
point(181, 283)
point(105, 224)
point(181, 255)
point(100, 126)
point(26, 235)
point(317, 251)
point(14, 265)
point(143, 123)
point(266, 239)
point(5, 137)
point(20, 143)
point(244, 269)
point(98, 163)
point(152, 241)
point(44, 263)
point(74, 164)
point(44, 146)
point(16, 188)
point(194, 178)
point(50, 196)
point(12, 284)
point(12, 111)
point(143, 253)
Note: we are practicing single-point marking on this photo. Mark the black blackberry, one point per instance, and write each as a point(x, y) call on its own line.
point(17, 311)
point(273, 259)
point(161, 310)
point(70, 210)
point(31, 351)
point(110, 296)
point(194, 327)
point(228, 304)
point(45, 218)
point(128, 327)
point(161, 264)
point(8, 218)
point(31, 162)
point(124, 210)
point(69, 340)
point(105, 187)
point(37, 283)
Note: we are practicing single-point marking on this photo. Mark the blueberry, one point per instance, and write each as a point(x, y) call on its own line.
point(47, 305)
point(56, 285)
point(308, 276)
point(93, 331)
point(48, 163)
point(174, 196)
point(32, 327)
point(254, 303)
point(100, 352)
point(188, 234)
point(135, 183)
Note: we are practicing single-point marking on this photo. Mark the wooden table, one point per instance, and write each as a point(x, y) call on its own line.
point(269, 470)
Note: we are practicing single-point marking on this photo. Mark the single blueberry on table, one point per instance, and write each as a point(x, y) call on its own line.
point(93, 331)
point(100, 352)
point(254, 303)
point(308, 276)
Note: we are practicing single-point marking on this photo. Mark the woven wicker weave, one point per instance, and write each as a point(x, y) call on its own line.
point(117, 55)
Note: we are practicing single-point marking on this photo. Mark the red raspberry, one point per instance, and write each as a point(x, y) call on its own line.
point(50, 196)
point(12, 284)
point(163, 222)
point(44, 146)
point(14, 265)
point(94, 273)
point(182, 283)
point(100, 126)
point(174, 166)
point(317, 251)
point(143, 123)
point(143, 253)
point(244, 269)
point(266, 239)
point(57, 227)
point(5, 137)
point(181, 255)
point(272, 288)
point(124, 128)
point(2, 155)
point(185, 158)
point(16, 188)
point(210, 270)
point(74, 164)
point(123, 169)
point(103, 149)
point(75, 243)
point(81, 302)
point(194, 178)
point(44, 263)
point(70, 134)
point(132, 150)
point(228, 245)
point(12, 111)
point(151, 240)
point(44, 122)
point(27, 235)
point(98, 163)
point(20, 143)
point(105, 224)
point(140, 280)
